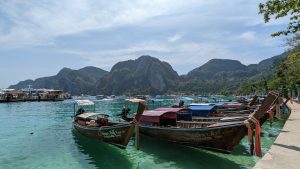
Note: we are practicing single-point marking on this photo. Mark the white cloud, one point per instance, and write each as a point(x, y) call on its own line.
point(248, 36)
point(107, 58)
point(34, 22)
point(175, 38)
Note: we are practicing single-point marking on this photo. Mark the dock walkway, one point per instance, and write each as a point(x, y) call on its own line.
point(285, 152)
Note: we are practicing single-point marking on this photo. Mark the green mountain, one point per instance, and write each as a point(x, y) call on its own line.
point(75, 82)
point(266, 68)
point(224, 75)
point(149, 75)
point(268, 64)
point(145, 75)
point(220, 68)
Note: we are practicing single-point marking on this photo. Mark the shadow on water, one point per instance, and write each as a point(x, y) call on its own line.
point(183, 156)
point(101, 155)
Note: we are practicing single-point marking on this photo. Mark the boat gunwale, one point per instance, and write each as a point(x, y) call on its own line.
point(193, 129)
point(102, 127)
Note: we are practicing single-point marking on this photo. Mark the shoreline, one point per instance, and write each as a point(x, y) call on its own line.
point(285, 151)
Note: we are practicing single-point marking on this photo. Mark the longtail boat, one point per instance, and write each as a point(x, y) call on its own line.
point(98, 126)
point(224, 111)
point(216, 136)
point(221, 108)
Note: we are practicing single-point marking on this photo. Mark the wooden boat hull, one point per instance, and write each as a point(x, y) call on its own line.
point(219, 136)
point(117, 134)
point(221, 139)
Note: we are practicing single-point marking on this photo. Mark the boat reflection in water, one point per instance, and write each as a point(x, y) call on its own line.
point(179, 156)
point(100, 154)
point(154, 153)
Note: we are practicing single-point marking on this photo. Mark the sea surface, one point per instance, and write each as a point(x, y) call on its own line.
point(40, 135)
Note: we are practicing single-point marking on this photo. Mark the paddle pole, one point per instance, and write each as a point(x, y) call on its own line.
point(141, 107)
point(137, 136)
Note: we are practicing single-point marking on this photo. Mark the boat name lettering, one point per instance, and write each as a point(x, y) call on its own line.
point(112, 134)
point(211, 135)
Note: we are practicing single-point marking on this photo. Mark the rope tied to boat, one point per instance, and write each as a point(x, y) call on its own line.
point(278, 109)
point(289, 99)
point(271, 113)
point(275, 107)
point(252, 123)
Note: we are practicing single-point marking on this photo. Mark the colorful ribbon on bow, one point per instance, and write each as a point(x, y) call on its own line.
point(278, 109)
point(250, 123)
point(271, 113)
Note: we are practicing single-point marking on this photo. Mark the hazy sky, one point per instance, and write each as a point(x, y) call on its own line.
point(38, 38)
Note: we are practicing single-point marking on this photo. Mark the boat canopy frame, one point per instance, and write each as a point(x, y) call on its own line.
point(83, 103)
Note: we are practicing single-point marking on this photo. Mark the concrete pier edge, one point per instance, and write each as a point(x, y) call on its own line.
point(285, 152)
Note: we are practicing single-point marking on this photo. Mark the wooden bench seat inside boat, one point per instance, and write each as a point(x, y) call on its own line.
point(81, 122)
point(102, 121)
point(91, 122)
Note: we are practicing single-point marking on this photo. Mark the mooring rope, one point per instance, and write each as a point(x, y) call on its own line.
point(250, 123)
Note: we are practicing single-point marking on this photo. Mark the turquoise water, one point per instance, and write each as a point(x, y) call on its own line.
point(40, 135)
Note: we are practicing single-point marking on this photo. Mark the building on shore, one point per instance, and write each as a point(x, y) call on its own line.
point(29, 94)
point(11, 95)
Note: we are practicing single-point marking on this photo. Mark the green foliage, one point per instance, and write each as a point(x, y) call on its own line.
point(294, 42)
point(251, 86)
point(293, 68)
point(274, 84)
point(225, 91)
point(204, 86)
point(280, 9)
point(287, 72)
point(245, 88)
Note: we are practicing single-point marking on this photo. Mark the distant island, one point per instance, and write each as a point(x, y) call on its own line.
point(149, 75)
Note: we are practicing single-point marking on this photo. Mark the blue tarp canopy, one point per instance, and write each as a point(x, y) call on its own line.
point(200, 107)
point(221, 103)
point(202, 104)
point(201, 111)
